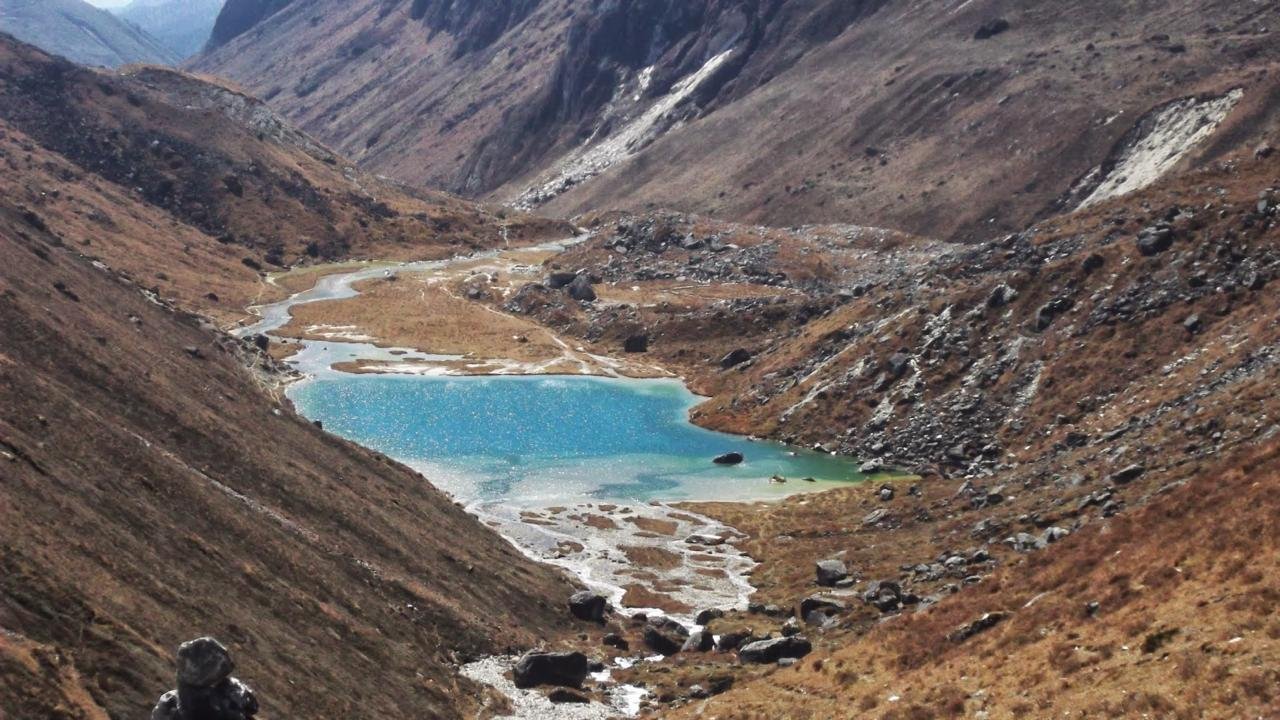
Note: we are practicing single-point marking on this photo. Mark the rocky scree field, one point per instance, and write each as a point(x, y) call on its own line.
point(1039, 386)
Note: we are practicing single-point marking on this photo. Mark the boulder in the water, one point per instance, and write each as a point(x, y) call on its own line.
point(729, 458)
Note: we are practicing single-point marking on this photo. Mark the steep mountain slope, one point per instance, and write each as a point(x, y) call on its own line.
point(184, 26)
point(154, 486)
point(224, 168)
point(886, 113)
point(81, 32)
point(241, 15)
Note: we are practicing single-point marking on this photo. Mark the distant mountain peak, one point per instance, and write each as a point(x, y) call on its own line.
point(82, 33)
point(183, 26)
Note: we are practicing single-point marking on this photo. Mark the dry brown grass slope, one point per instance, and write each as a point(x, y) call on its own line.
point(154, 488)
point(154, 484)
point(1184, 627)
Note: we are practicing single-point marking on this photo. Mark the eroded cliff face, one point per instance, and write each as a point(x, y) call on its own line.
point(583, 71)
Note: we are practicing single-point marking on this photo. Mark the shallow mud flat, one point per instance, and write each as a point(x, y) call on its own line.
point(646, 558)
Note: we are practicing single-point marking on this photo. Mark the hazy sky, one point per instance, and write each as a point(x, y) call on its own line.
point(108, 3)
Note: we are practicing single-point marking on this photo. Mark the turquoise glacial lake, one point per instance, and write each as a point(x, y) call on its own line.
point(547, 440)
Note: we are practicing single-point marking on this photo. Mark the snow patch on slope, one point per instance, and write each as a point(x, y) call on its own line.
point(584, 164)
point(1162, 139)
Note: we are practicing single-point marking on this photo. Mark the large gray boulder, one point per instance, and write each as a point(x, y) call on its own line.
point(821, 609)
point(829, 572)
point(580, 289)
point(544, 668)
point(203, 662)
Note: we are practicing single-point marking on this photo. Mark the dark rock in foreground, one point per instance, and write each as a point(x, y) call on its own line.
point(206, 690)
point(544, 668)
point(992, 28)
point(700, 641)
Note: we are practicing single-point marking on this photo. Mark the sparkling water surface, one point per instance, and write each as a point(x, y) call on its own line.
point(539, 440)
